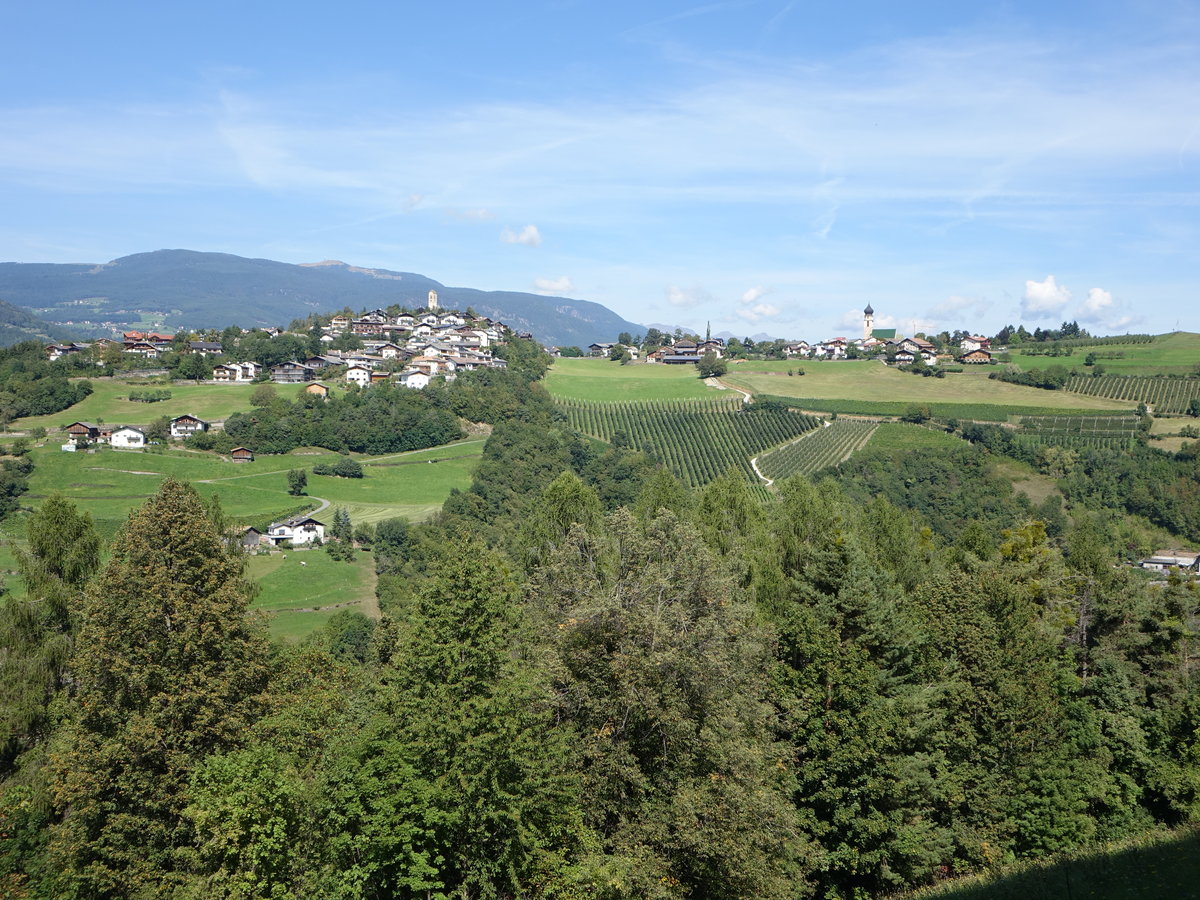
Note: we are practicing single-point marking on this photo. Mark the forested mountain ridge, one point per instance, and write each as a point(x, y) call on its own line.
point(17, 325)
point(188, 289)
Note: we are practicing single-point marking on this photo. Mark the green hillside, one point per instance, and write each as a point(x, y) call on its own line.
point(1176, 353)
point(603, 380)
point(1163, 867)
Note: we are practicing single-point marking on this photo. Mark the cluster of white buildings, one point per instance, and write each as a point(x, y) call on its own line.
point(407, 349)
point(884, 342)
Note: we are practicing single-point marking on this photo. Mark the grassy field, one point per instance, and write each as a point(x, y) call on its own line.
point(868, 381)
point(1166, 867)
point(604, 380)
point(109, 483)
point(299, 598)
point(1177, 353)
point(904, 436)
point(108, 403)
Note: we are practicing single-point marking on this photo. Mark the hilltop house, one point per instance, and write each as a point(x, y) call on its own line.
point(296, 530)
point(976, 356)
point(185, 426)
point(1162, 560)
point(127, 437)
point(291, 373)
point(82, 431)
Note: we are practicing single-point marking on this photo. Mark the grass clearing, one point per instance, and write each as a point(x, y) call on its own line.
point(1176, 353)
point(906, 436)
point(852, 385)
point(109, 483)
point(109, 403)
point(1027, 480)
point(605, 381)
point(300, 589)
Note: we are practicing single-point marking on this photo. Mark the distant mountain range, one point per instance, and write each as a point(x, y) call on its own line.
point(170, 289)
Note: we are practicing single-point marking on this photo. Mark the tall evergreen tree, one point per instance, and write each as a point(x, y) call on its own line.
point(167, 669)
point(453, 788)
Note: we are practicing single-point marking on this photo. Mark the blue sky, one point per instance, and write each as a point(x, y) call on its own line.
point(763, 166)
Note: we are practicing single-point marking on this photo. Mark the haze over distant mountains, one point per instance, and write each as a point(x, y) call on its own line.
point(188, 289)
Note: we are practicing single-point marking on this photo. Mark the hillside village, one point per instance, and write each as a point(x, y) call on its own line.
point(405, 347)
point(883, 344)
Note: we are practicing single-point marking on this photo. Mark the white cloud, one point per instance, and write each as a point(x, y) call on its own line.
point(1044, 299)
point(529, 236)
point(753, 294)
point(553, 285)
point(687, 297)
point(1098, 303)
point(956, 305)
point(758, 311)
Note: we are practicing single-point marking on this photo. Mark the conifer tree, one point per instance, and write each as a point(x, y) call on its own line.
point(453, 788)
point(167, 668)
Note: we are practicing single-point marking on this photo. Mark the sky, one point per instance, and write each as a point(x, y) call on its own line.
point(757, 167)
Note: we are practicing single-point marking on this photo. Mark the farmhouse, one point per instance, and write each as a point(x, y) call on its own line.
point(316, 389)
point(82, 431)
point(251, 539)
point(203, 347)
point(414, 378)
point(241, 455)
point(1162, 560)
point(291, 373)
point(974, 342)
point(359, 375)
point(245, 371)
point(185, 426)
point(976, 357)
point(128, 438)
point(297, 530)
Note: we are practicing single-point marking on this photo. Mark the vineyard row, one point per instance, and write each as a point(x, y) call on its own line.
point(698, 442)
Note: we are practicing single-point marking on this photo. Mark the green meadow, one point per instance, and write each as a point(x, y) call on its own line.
point(300, 589)
point(297, 599)
point(109, 403)
point(869, 381)
point(109, 483)
point(905, 436)
point(1177, 353)
point(604, 380)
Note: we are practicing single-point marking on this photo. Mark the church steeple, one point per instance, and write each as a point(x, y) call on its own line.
point(868, 321)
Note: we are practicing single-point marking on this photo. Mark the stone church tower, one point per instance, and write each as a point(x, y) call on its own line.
point(433, 301)
point(868, 321)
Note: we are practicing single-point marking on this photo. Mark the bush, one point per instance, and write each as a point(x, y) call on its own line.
point(343, 468)
point(149, 395)
point(916, 413)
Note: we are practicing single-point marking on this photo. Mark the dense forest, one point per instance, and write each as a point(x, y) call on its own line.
point(592, 682)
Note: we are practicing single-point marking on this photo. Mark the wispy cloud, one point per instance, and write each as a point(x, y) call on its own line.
point(758, 312)
point(553, 285)
point(687, 298)
point(752, 294)
point(529, 236)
